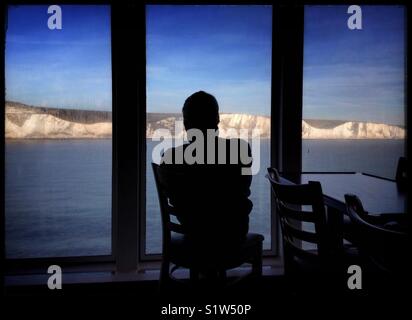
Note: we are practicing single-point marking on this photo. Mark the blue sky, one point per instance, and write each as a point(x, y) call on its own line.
point(354, 75)
point(59, 68)
point(224, 50)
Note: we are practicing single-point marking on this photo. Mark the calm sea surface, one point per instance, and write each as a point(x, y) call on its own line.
point(58, 192)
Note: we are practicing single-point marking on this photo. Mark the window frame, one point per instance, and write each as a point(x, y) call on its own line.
point(13, 264)
point(407, 113)
point(274, 241)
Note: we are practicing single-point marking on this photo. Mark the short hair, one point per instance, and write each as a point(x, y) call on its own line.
point(201, 111)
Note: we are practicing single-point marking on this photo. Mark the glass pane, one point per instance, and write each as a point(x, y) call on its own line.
point(58, 150)
point(354, 90)
point(225, 51)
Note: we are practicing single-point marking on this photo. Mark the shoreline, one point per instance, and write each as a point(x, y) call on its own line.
point(148, 138)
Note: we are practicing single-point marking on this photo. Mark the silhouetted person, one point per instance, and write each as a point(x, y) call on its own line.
point(212, 201)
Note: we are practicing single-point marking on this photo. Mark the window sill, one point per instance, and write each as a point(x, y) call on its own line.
point(104, 273)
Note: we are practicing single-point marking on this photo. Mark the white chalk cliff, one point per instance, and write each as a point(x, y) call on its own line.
point(311, 129)
point(353, 130)
point(25, 122)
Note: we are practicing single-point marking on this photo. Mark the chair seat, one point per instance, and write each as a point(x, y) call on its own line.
point(348, 229)
point(350, 256)
point(391, 221)
point(221, 257)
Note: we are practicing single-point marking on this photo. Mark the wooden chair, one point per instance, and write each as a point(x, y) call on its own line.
point(323, 264)
point(289, 199)
point(401, 174)
point(381, 239)
point(179, 249)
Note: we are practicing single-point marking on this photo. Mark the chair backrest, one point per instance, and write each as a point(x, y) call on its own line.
point(164, 178)
point(289, 198)
point(401, 175)
point(210, 201)
point(387, 248)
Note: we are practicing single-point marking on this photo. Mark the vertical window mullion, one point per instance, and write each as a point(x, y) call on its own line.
point(126, 53)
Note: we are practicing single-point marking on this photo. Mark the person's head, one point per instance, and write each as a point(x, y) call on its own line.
point(201, 111)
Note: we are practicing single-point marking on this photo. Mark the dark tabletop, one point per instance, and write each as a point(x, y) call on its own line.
point(377, 195)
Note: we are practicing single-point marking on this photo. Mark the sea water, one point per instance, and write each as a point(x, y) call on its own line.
point(58, 193)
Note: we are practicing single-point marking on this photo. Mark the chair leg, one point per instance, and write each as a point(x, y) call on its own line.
point(222, 275)
point(164, 274)
point(257, 263)
point(194, 275)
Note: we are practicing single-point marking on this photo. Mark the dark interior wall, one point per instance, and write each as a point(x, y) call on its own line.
point(408, 111)
point(2, 104)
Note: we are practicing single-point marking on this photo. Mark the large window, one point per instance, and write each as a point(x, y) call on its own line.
point(58, 148)
point(354, 89)
point(223, 50)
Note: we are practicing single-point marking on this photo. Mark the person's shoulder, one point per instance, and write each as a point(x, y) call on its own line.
point(169, 156)
point(238, 149)
point(243, 145)
point(241, 142)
